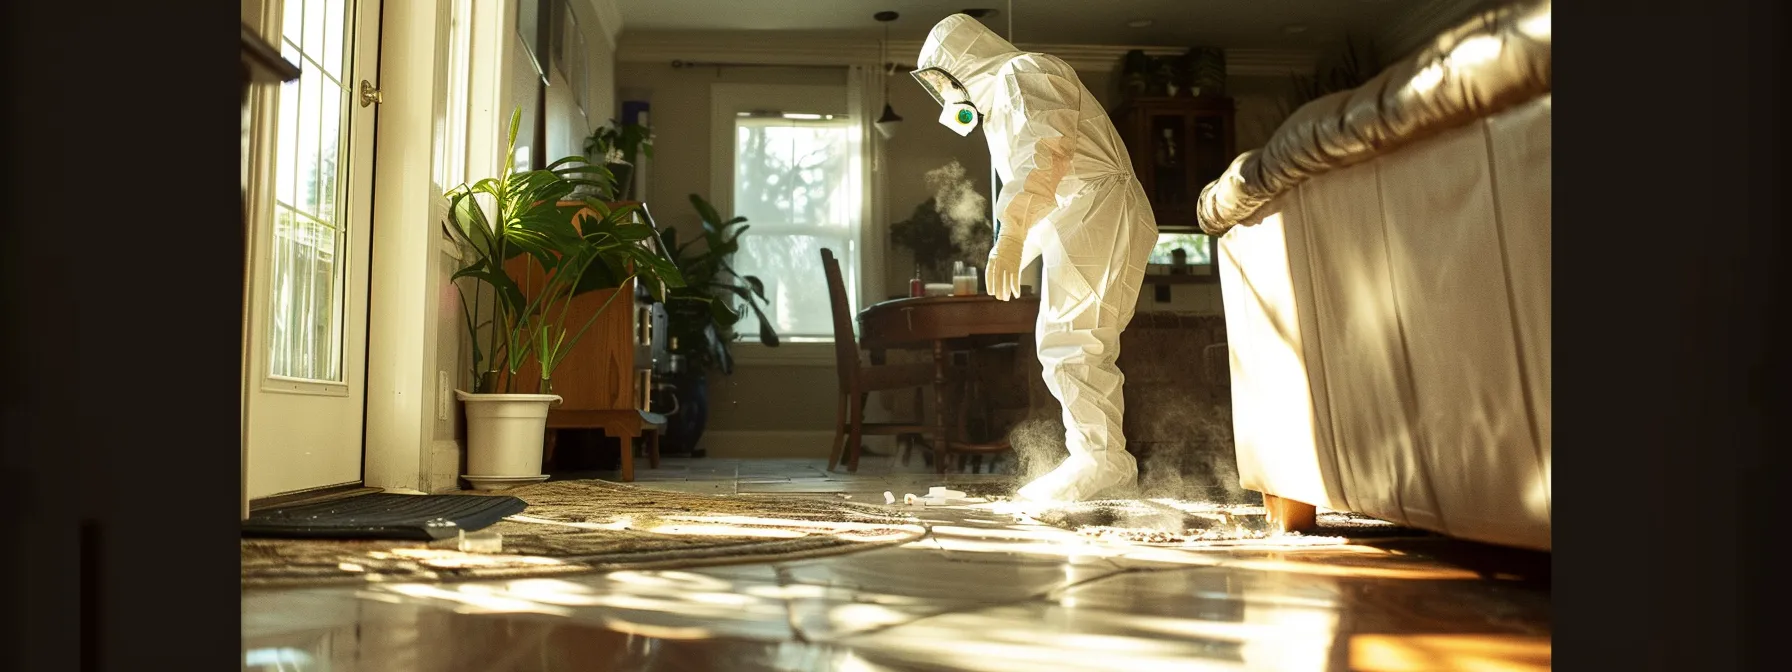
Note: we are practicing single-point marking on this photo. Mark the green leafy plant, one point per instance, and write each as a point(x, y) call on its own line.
point(521, 213)
point(617, 147)
point(701, 315)
point(1350, 68)
point(936, 243)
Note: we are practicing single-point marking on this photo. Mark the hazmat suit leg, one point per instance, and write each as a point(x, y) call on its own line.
point(1095, 255)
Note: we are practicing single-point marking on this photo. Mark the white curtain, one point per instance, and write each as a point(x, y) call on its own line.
point(864, 91)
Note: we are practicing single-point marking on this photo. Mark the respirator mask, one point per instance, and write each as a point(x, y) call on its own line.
point(956, 110)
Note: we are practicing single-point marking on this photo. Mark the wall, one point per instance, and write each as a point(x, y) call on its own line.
point(1262, 103)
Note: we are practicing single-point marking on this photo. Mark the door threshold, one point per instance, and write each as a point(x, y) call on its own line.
point(312, 496)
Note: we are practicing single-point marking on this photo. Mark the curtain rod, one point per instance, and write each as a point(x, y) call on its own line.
point(680, 64)
point(713, 64)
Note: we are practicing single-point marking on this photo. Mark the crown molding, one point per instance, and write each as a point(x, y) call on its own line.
point(811, 49)
point(609, 19)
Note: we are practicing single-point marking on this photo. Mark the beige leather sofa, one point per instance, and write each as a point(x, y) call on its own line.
point(1385, 261)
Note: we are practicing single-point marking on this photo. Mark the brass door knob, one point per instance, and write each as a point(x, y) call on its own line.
point(369, 95)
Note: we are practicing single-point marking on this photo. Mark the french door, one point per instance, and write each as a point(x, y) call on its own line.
point(306, 344)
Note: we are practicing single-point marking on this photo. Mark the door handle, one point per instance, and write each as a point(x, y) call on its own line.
point(369, 95)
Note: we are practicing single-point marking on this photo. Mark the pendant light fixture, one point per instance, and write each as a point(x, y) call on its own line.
point(886, 124)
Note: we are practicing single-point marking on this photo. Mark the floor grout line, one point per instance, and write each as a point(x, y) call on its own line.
point(1031, 597)
point(790, 617)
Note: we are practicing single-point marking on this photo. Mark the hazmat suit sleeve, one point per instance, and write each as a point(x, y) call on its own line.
point(1043, 102)
point(1041, 97)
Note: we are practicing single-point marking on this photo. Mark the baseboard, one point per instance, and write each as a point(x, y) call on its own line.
point(769, 443)
point(445, 457)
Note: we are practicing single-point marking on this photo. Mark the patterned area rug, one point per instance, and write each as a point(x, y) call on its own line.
point(583, 526)
point(1180, 523)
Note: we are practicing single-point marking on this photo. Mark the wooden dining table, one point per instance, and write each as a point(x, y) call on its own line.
point(945, 324)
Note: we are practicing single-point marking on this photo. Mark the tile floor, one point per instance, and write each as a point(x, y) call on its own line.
point(980, 592)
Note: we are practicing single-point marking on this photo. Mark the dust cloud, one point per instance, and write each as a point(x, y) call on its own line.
point(962, 209)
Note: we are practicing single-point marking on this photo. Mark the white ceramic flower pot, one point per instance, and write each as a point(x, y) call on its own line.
point(504, 438)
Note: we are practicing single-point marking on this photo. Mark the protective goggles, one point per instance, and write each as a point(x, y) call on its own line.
point(956, 110)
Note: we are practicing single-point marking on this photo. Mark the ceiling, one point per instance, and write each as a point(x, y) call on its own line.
point(1269, 24)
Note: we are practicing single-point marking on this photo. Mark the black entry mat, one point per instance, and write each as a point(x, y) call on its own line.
point(383, 516)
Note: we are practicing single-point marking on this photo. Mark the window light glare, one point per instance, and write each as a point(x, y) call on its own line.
point(276, 657)
point(1536, 26)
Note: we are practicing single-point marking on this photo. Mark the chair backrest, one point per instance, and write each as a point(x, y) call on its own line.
point(846, 348)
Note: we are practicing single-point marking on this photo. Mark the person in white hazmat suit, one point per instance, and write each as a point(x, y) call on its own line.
point(1068, 196)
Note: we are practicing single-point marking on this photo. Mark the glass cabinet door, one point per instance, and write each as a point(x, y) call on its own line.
point(1170, 177)
point(1210, 153)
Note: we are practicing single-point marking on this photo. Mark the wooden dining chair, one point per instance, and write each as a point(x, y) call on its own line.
point(858, 381)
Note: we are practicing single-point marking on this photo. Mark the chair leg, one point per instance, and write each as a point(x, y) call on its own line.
point(920, 418)
point(839, 435)
point(628, 457)
point(853, 438)
point(547, 457)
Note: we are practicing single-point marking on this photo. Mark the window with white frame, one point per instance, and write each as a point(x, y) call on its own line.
point(454, 69)
point(797, 180)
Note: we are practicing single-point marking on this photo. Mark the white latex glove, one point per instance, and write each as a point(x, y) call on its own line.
point(1002, 274)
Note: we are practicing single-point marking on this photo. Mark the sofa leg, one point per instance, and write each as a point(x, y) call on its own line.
point(1287, 515)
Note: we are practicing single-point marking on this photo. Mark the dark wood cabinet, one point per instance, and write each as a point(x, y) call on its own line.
point(606, 380)
point(1178, 145)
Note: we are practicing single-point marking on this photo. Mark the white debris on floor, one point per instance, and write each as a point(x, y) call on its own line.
point(940, 495)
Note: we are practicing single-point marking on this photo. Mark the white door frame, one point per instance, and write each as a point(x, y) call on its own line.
point(400, 348)
point(410, 249)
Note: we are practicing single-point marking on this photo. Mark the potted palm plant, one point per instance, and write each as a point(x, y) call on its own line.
point(702, 314)
point(570, 249)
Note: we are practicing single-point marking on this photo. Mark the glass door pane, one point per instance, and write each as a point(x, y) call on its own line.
point(1169, 162)
point(1210, 157)
point(305, 337)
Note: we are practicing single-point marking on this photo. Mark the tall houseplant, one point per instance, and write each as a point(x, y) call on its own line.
point(1349, 68)
point(577, 248)
point(701, 315)
point(711, 286)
